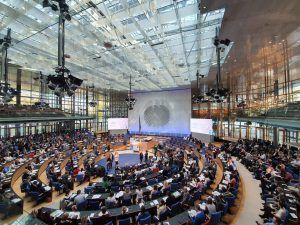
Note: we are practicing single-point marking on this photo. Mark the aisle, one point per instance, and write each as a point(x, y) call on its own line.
point(249, 212)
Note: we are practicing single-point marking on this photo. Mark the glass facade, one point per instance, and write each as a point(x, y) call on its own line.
point(268, 88)
point(109, 104)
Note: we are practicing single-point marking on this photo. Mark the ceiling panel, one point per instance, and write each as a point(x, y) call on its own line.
point(160, 43)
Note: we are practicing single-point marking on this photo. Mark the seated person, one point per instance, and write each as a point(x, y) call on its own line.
point(154, 191)
point(199, 218)
point(161, 208)
point(65, 219)
point(104, 213)
point(111, 200)
point(143, 214)
point(124, 213)
point(210, 206)
point(103, 217)
point(166, 187)
point(170, 200)
point(199, 185)
point(37, 186)
point(139, 194)
point(185, 197)
point(127, 193)
point(80, 197)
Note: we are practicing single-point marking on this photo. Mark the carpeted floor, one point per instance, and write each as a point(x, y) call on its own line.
point(249, 212)
point(124, 159)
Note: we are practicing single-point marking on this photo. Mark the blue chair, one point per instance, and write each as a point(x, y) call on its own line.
point(38, 197)
point(93, 205)
point(235, 192)
point(115, 188)
point(82, 206)
point(216, 218)
point(80, 178)
point(164, 216)
point(58, 187)
point(225, 209)
point(143, 183)
point(125, 221)
point(230, 201)
point(160, 178)
point(156, 195)
point(110, 205)
point(88, 189)
point(126, 201)
point(176, 209)
point(197, 195)
point(109, 223)
point(174, 187)
point(152, 181)
point(145, 221)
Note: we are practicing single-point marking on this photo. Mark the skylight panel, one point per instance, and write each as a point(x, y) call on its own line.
point(127, 21)
point(133, 3)
point(185, 3)
point(116, 7)
point(167, 8)
point(140, 17)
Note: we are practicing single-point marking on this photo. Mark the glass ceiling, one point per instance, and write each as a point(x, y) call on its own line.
point(161, 43)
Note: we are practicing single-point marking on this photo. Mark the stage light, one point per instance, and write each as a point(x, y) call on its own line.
point(70, 92)
point(75, 81)
point(225, 42)
point(67, 16)
point(59, 92)
point(93, 103)
point(52, 86)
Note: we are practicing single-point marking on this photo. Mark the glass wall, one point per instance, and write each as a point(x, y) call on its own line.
point(109, 103)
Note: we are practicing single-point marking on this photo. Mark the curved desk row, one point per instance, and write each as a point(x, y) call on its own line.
point(14, 201)
point(184, 218)
point(151, 206)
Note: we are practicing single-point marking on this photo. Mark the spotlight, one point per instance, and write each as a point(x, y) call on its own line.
point(225, 42)
point(75, 81)
point(54, 7)
point(216, 96)
point(52, 86)
point(68, 17)
point(93, 103)
point(70, 92)
point(59, 92)
point(130, 101)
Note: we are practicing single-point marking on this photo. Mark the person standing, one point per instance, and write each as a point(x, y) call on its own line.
point(155, 151)
point(141, 157)
point(117, 158)
point(108, 163)
point(146, 156)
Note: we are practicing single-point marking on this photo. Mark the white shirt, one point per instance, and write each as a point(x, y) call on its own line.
point(211, 208)
point(139, 194)
point(281, 214)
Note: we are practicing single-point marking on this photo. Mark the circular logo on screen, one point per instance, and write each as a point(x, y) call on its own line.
point(157, 115)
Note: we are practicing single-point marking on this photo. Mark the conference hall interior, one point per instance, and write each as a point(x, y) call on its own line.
point(149, 112)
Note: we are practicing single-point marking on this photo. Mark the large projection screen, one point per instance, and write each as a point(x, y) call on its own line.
point(117, 123)
point(202, 126)
point(161, 113)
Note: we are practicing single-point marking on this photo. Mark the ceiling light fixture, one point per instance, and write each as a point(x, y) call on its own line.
point(219, 94)
point(63, 81)
point(130, 100)
point(7, 93)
